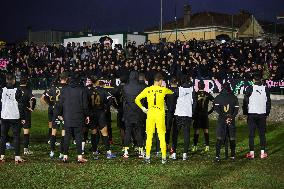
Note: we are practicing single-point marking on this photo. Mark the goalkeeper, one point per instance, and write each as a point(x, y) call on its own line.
point(155, 114)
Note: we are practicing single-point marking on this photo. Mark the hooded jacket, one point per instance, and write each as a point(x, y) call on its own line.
point(73, 105)
point(226, 104)
point(131, 112)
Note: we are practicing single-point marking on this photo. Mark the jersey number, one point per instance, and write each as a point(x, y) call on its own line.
point(57, 95)
point(96, 100)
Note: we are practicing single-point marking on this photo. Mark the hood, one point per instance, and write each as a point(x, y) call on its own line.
point(133, 76)
point(226, 88)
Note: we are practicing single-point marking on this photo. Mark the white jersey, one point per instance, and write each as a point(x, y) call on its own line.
point(10, 109)
point(257, 100)
point(184, 102)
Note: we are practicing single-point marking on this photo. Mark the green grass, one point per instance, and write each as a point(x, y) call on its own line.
point(200, 171)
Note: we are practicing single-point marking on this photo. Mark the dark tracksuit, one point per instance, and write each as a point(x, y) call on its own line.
point(227, 106)
point(73, 106)
point(256, 118)
point(14, 124)
point(119, 103)
point(132, 114)
point(171, 101)
point(29, 100)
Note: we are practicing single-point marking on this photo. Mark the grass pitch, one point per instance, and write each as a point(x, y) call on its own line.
point(200, 171)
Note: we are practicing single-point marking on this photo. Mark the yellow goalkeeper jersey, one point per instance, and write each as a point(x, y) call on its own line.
point(155, 97)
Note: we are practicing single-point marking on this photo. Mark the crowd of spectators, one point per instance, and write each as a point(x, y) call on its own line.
point(199, 59)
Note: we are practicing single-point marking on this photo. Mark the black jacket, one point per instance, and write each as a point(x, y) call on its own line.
point(131, 112)
point(226, 105)
point(73, 105)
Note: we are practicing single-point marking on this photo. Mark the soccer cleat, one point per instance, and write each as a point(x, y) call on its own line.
point(206, 149)
point(164, 160)
point(184, 156)
point(250, 156)
point(65, 160)
point(82, 160)
point(110, 155)
point(2, 159)
point(51, 154)
point(194, 149)
point(61, 156)
point(125, 156)
point(263, 155)
point(173, 156)
point(9, 146)
point(233, 158)
point(147, 160)
point(217, 159)
point(27, 151)
point(19, 160)
point(158, 154)
point(57, 144)
point(141, 155)
point(96, 155)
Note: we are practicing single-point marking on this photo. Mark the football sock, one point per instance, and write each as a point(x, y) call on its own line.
point(206, 137)
point(195, 139)
point(26, 140)
point(262, 151)
point(94, 142)
point(62, 144)
point(52, 142)
point(106, 142)
point(49, 133)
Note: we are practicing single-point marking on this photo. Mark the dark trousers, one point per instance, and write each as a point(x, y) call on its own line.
point(135, 128)
point(171, 122)
point(78, 132)
point(16, 129)
point(257, 121)
point(182, 122)
point(225, 134)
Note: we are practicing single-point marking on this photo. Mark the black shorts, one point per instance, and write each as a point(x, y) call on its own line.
point(50, 113)
point(98, 120)
point(56, 123)
point(201, 122)
point(28, 120)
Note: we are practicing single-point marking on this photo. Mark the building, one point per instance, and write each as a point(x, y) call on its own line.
point(117, 38)
point(206, 26)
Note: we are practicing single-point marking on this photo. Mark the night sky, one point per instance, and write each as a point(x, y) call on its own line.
point(113, 15)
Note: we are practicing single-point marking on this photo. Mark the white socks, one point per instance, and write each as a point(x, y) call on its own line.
point(251, 152)
point(83, 146)
point(262, 151)
point(17, 158)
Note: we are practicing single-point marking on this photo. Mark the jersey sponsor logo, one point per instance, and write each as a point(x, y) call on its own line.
point(226, 108)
